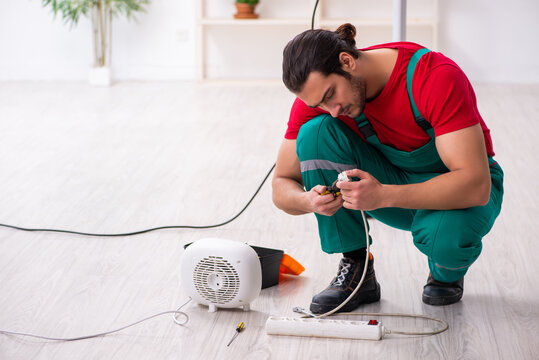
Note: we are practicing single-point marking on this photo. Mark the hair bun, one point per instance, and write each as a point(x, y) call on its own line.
point(347, 32)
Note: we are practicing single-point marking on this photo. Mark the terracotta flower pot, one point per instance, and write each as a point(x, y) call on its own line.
point(245, 11)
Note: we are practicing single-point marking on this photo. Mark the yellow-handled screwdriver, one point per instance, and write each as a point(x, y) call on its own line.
point(240, 327)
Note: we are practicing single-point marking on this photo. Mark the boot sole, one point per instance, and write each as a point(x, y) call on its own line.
point(366, 298)
point(441, 300)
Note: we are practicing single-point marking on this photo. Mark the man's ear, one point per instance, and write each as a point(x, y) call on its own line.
point(348, 63)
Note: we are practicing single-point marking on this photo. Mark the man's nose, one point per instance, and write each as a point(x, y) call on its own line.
point(335, 110)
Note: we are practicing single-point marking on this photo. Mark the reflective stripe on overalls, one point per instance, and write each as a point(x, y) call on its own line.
point(451, 239)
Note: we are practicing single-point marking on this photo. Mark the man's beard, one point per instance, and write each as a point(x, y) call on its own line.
point(359, 89)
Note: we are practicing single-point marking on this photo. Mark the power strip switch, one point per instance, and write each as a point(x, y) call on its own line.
point(330, 328)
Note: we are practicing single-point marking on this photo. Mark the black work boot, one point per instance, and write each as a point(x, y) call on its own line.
point(350, 272)
point(440, 293)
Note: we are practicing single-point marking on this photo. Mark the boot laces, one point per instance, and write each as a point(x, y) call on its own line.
point(343, 271)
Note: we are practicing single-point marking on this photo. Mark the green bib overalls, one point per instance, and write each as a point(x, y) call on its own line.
point(451, 239)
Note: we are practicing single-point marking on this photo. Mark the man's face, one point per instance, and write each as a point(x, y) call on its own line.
point(334, 94)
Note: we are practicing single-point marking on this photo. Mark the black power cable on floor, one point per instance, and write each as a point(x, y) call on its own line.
point(153, 229)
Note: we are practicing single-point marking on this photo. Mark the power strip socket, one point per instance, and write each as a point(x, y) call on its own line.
point(330, 328)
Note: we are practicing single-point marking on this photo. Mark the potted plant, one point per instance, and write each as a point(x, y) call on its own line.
point(246, 9)
point(101, 13)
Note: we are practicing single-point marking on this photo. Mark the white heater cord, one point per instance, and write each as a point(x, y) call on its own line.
point(175, 314)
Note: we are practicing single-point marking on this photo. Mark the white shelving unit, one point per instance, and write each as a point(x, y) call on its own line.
point(381, 22)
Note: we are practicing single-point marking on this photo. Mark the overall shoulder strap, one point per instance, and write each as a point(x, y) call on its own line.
point(424, 124)
point(366, 129)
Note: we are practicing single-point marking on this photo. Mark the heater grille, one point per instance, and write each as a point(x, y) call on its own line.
point(216, 280)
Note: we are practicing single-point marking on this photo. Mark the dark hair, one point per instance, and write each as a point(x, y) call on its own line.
point(317, 50)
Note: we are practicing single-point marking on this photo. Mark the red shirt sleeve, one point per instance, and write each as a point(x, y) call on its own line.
point(299, 115)
point(450, 104)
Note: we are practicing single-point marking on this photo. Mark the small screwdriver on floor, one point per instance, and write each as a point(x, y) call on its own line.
point(240, 327)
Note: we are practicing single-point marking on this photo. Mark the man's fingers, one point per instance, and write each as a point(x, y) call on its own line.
point(357, 173)
point(348, 205)
point(330, 208)
point(345, 185)
point(325, 199)
point(320, 189)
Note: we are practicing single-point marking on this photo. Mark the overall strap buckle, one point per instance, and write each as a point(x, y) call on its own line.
point(364, 126)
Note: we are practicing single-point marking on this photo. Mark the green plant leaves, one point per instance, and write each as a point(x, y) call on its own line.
point(251, 2)
point(72, 10)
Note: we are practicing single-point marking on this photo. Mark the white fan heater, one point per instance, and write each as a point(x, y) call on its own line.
point(221, 273)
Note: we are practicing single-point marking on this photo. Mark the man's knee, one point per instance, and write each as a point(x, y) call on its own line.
point(313, 127)
point(323, 136)
point(450, 238)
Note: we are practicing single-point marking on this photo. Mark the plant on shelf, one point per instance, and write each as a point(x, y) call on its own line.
point(246, 9)
point(100, 13)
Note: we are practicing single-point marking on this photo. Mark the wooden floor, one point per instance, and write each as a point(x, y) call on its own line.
point(141, 155)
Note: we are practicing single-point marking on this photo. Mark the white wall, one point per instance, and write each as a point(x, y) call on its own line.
point(492, 40)
point(34, 45)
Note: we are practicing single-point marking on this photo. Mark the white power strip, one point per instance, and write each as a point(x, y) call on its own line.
point(343, 329)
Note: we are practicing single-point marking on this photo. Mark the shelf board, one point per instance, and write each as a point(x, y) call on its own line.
point(307, 22)
point(376, 22)
point(254, 22)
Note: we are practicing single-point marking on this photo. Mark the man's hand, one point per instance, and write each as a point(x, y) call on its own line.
point(365, 194)
point(324, 204)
